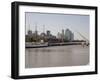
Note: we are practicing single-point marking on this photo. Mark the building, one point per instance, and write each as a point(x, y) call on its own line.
point(72, 36)
point(42, 34)
point(59, 35)
point(29, 32)
point(28, 36)
point(69, 36)
point(62, 34)
point(48, 33)
point(36, 32)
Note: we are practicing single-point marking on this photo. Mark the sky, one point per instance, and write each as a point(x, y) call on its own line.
point(56, 22)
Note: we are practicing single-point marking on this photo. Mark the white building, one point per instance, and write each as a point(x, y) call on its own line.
point(59, 36)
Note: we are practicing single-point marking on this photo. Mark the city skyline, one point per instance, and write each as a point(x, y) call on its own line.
point(56, 22)
point(63, 34)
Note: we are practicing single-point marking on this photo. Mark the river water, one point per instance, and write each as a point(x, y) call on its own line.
point(56, 56)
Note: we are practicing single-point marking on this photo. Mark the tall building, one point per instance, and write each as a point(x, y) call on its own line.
point(48, 33)
point(29, 32)
point(42, 35)
point(69, 36)
point(72, 36)
point(36, 32)
point(62, 34)
point(59, 35)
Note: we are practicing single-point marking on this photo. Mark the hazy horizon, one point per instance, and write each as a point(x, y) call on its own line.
point(56, 22)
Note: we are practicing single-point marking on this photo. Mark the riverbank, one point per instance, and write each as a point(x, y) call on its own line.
point(30, 45)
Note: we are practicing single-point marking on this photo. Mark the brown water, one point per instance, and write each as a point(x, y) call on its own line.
point(71, 55)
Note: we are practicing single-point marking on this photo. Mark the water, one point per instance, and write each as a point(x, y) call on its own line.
point(71, 55)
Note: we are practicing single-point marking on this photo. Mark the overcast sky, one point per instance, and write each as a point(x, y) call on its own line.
point(56, 22)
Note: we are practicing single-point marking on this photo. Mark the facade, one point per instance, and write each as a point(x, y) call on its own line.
point(29, 32)
point(42, 34)
point(62, 35)
point(48, 33)
point(59, 35)
point(72, 36)
point(69, 36)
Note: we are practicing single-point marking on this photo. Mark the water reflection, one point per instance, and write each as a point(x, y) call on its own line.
point(56, 56)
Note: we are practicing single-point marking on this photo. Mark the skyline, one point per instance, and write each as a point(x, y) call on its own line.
point(56, 22)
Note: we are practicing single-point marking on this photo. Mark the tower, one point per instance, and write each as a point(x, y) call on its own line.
point(36, 32)
point(29, 31)
point(62, 33)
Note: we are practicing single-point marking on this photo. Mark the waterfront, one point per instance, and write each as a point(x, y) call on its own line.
point(69, 55)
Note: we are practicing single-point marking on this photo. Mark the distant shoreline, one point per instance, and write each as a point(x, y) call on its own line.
point(53, 44)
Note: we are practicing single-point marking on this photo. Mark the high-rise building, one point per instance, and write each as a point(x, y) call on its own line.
point(69, 35)
point(59, 35)
point(36, 32)
point(48, 33)
point(62, 34)
point(72, 36)
point(29, 32)
point(42, 35)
